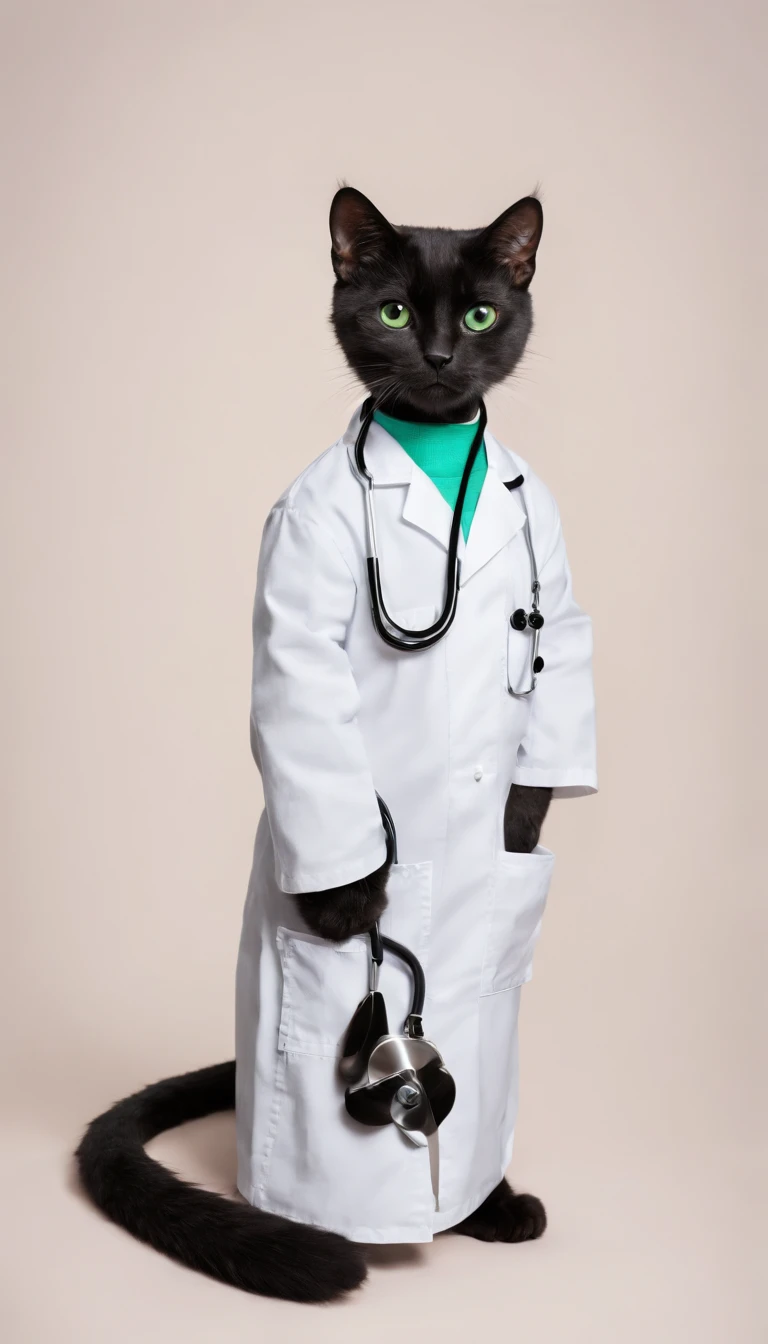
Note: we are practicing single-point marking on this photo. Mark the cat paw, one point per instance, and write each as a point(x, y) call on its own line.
point(341, 912)
point(524, 813)
point(505, 1216)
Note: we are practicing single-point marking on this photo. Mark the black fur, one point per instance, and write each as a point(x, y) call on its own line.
point(524, 813)
point(340, 912)
point(438, 274)
point(505, 1216)
point(434, 369)
point(229, 1241)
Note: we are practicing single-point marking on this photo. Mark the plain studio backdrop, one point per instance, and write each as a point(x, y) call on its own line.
point(168, 368)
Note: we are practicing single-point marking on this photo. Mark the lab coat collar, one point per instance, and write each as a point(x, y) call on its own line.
point(498, 515)
point(388, 463)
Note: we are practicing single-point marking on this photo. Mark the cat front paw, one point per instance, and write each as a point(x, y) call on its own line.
point(524, 813)
point(340, 912)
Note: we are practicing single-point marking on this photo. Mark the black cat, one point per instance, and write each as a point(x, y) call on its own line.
point(429, 376)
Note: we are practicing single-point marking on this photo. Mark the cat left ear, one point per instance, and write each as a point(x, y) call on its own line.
point(359, 232)
point(513, 238)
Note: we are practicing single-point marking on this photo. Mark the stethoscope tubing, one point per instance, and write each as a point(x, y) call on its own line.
point(381, 943)
point(535, 592)
point(397, 636)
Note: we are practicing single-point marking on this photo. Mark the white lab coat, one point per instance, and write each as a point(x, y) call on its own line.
point(337, 715)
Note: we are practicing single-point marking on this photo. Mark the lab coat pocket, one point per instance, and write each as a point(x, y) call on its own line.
point(322, 984)
point(521, 885)
point(319, 1165)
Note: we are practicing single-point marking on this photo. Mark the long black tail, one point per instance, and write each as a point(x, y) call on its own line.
point(230, 1241)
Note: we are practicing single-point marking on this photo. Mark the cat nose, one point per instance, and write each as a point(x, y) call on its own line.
point(437, 360)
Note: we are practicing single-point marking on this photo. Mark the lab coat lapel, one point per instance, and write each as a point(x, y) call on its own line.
point(427, 509)
point(498, 516)
point(389, 464)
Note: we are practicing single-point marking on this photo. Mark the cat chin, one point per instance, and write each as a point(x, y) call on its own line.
point(447, 403)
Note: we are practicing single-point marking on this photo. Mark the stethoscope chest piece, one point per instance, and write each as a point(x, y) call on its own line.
point(407, 1085)
point(395, 1080)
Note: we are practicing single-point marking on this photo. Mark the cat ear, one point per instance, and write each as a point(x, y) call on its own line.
point(513, 238)
point(359, 232)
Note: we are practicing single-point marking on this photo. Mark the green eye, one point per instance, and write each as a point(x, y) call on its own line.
point(394, 315)
point(481, 317)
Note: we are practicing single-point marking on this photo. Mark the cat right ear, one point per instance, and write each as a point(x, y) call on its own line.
point(359, 233)
point(513, 238)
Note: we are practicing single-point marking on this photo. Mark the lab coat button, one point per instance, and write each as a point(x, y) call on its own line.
point(478, 773)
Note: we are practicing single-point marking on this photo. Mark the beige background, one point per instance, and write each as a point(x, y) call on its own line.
point(167, 369)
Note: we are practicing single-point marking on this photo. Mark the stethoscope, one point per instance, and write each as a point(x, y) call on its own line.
point(396, 1079)
point(397, 636)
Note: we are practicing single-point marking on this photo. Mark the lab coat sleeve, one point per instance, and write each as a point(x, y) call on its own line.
point(318, 789)
point(558, 750)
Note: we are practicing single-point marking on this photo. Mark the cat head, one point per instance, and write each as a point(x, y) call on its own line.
point(430, 319)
